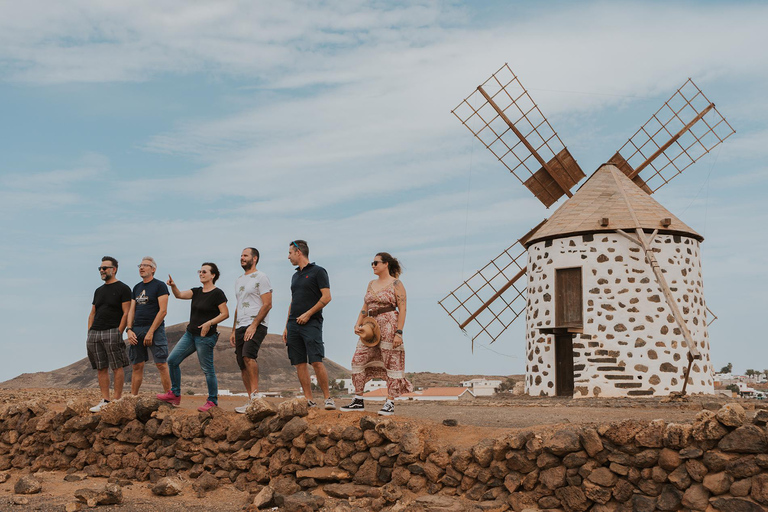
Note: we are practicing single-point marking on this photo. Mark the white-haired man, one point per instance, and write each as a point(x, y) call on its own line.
point(146, 326)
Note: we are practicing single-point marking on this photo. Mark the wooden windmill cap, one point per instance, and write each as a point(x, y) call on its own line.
point(609, 194)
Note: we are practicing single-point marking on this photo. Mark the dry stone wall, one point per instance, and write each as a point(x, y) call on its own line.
point(719, 462)
point(631, 345)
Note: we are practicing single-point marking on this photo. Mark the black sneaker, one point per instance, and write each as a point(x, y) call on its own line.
point(356, 404)
point(311, 404)
point(388, 409)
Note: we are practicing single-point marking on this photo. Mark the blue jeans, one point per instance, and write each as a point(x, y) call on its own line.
point(187, 345)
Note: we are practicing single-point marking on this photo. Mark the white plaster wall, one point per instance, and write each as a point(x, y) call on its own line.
point(631, 345)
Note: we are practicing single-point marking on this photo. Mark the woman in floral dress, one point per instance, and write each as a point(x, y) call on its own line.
point(385, 301)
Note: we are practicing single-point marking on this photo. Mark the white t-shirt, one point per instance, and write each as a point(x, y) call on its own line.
point(248, 289)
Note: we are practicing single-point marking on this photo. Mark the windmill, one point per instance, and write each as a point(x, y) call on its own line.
point(612, 292)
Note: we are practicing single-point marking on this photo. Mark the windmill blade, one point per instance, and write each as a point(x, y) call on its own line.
point(489, 301)
point(685, 128)
point(502, 115)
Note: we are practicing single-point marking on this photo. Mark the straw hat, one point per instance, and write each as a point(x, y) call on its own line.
point(371, 334)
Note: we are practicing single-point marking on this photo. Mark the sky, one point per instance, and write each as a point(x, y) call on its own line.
point(190, 130)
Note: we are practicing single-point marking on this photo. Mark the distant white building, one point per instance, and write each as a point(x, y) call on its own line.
point(482, 387)
point(350, 388)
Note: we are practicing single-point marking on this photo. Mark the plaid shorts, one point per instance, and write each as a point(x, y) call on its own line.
point(106, 349)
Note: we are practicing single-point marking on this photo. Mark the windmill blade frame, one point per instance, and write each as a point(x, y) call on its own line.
point(492, 298)
point(684, 129)
point(504, 117)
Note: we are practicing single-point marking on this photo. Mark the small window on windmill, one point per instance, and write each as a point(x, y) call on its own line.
point(568, 298)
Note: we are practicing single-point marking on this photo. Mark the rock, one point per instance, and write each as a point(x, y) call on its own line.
point(132, 433)
point(554, 477)
point(718, 483)
point(651, 436)
point(572, 498)
point(760, 488)
point(696, 497)
point(696, 469)
point(716, 460)
point(352, 433)
point(438, 504)
point(450, 422)
point(118, 412)
point(563, 442)
point(732, 415)
point(602, 476)
point(677, 435)
point(285, 485)
point(643, 504)
point(258, 410)
point(483, 452)
point(623, 432)
point(706, 427)
point(742, 467)
point(110, 494)
point(669, 459)
point(27, 484)
point(680, 478)
point(368, 422)
point(204, 483)
point(19, 500)
point(4, 477)
point(597, 493)
point(724, 504)
point(410, 443)
point(591, 441)
point(344, 491)
point(746, 439)
point(265, 498)
point(390, 430)
point(324, 474)
point(761, 418)
point(167, 487)
point(294, 428)
point(623, 491)
point(302, 502)
point(368, 473)
point(669, 499)
point(145, 406)
point(73, 506)
point(292, 408)
point(75, 477)
point(512, 481)
point(741, 488)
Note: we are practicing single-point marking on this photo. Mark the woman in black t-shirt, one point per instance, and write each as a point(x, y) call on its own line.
point(209, 308)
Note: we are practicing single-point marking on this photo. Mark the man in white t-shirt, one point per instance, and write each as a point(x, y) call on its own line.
point(254, 300)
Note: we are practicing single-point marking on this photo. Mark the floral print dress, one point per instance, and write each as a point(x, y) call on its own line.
point(382, 361)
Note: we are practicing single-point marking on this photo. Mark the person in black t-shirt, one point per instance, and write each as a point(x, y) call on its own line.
point(146, 326)
point(209, 308)
point(105, 345)
point(303, 335)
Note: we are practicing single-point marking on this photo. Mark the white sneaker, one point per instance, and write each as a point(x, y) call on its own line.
point(98, 406)
point(388, 409)
point(256, 395)
point(242, 408)
point(330, 405)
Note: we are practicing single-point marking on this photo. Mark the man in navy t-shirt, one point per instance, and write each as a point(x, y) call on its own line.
point(303, 335)
point(146, 326)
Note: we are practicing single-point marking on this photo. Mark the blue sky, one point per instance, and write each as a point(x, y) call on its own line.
point(188, 131)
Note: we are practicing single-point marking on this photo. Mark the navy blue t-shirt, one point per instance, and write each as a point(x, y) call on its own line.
point(147, 307)
point(305, 290)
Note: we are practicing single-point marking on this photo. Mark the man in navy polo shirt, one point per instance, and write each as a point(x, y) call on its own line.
point(303, 335)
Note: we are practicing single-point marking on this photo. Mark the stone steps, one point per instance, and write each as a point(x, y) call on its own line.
point(640, 392)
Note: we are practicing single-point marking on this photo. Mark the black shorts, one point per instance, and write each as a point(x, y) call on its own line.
point(250, 348)
point(305, 342)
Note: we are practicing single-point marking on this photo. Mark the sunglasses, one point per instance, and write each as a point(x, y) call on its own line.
point(144, 265)
point(202, 271)
point(374, 263)
point(104, 268)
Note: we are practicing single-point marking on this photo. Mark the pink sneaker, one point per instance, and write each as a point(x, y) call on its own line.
point(170, 398)
point(207, 405)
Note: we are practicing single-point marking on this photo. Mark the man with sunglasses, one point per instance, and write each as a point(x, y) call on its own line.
point(303, 334)
point(105, 345)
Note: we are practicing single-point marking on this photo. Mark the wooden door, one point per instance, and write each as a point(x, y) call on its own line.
point(568, 298)
point(564, 364)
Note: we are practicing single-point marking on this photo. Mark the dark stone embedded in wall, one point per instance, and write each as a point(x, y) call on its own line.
point(668, 367)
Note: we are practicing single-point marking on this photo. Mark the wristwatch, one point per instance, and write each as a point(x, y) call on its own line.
point(129, 328)
point(399, 331)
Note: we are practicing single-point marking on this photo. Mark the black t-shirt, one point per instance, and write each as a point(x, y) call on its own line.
point(108, 299)
point(147, 307)
point(305, 290)
point(205, 306)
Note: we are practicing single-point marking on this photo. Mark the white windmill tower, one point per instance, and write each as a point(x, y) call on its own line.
point(613, 298)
